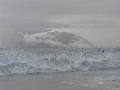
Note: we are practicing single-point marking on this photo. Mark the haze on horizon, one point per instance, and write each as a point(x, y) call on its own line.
point(96, 20)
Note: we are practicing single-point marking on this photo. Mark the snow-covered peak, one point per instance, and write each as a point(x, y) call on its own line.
point(57, 38)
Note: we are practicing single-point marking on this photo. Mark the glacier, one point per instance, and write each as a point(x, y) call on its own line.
point(30, 61)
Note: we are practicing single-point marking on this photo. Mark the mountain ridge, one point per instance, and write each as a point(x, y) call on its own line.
point(55, 38)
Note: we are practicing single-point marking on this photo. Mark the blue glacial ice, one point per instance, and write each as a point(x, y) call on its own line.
point(20, 61)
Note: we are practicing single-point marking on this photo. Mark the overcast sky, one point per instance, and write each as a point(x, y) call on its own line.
point(96, 20)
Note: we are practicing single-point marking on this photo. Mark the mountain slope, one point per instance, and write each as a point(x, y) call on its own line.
point(55, 38)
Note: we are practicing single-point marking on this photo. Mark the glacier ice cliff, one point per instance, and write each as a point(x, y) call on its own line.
point(23, 61)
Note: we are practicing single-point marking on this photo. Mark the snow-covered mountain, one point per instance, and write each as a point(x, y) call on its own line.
point(56, 39)
point(43, 39)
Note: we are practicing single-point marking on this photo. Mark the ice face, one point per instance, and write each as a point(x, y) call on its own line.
point(48, 61)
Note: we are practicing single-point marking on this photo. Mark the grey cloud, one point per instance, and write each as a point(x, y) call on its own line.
point(33, 15)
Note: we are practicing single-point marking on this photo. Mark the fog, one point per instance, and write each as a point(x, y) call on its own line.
point(96, 20)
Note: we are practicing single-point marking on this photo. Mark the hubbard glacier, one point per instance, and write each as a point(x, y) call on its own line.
point(53, 51)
